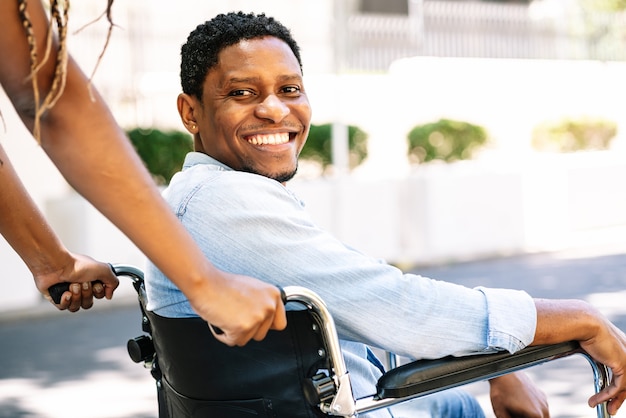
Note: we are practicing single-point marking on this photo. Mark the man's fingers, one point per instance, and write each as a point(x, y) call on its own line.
point(614, 405)
point(615, 399)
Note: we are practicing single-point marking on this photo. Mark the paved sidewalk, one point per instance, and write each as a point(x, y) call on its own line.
point(61, 365)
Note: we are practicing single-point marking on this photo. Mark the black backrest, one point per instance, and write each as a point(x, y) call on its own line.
point(203, 377)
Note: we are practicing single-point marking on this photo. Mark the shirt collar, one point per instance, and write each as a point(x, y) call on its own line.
point(199, 158)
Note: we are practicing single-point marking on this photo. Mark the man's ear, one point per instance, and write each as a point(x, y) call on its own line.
point(186, 105)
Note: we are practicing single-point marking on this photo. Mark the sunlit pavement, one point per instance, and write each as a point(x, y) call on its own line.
point(64, 365)
point(61, 365)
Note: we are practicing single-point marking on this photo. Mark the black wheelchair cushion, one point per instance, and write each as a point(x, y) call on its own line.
point(203, 377)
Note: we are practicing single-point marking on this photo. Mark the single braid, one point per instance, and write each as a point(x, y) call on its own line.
point(59, 13)
point(109, 18)
point(30, 37)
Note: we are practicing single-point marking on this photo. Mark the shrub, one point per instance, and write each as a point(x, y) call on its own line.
point(571, 135)
point(318, 146)
point(162, 152)
point(446, 140)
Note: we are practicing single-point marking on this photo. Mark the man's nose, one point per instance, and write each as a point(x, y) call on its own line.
point(272, 108)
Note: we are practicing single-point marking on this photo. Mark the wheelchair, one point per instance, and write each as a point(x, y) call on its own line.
point(298, 372)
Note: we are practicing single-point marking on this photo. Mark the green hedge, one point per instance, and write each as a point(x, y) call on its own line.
point(318, 146)
point(163, 152)
point(446, 140)
point(570, 135)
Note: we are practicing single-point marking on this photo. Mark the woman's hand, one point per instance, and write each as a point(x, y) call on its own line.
point(87, 279)
point(242, 307)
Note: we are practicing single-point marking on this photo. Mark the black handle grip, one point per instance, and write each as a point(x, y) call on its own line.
point(57, 290)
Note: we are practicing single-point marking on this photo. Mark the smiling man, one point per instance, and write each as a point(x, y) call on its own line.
point(253, 121)
point(245, 104)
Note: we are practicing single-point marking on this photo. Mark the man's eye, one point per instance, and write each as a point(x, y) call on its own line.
point(291, 89)
point(240, 93)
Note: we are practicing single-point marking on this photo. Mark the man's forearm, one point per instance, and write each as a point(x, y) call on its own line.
point(564, 320)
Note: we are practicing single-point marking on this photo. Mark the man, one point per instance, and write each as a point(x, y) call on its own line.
point(245, 104)
point(75, 127)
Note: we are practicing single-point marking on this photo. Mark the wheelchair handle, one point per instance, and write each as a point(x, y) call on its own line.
point(313, 302)
point(57, 290)
point(343, 401)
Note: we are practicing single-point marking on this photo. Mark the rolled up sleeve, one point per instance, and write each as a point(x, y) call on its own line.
point(512, 319)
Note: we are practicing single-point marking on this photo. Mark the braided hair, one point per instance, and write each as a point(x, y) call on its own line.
point(58, 17)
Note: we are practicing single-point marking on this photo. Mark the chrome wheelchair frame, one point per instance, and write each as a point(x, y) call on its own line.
point(330, 392)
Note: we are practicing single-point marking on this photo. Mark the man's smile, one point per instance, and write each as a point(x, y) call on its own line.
point(268, 139)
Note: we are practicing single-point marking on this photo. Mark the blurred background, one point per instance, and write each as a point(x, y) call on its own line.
point(445, 132)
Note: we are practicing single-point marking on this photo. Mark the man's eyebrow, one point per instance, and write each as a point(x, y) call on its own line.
point(254, 79)
point(234, 80)
point(290, 77)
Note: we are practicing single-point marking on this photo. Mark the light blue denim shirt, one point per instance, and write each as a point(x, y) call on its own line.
point(249, 224)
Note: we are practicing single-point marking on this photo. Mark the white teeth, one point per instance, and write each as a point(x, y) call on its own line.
point(271, 139)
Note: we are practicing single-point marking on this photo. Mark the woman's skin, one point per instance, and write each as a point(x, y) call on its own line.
point(91, 151)
point(24, 227)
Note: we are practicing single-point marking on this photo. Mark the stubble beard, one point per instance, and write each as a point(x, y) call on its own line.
point(279, 177)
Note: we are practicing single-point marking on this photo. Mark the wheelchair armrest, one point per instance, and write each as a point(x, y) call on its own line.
point(428, 376)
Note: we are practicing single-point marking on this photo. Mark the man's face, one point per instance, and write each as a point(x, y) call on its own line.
point(255, 115)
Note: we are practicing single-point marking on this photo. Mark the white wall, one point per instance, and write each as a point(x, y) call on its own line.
point(476, 209)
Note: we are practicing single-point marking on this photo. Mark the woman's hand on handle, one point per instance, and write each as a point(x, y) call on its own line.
point(243, 308)
point(87, 277)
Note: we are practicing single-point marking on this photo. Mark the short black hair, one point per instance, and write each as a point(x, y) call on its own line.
point(199, 54)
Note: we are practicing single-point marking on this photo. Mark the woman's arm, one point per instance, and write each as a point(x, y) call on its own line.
point(28, 233)
point(92, 152)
